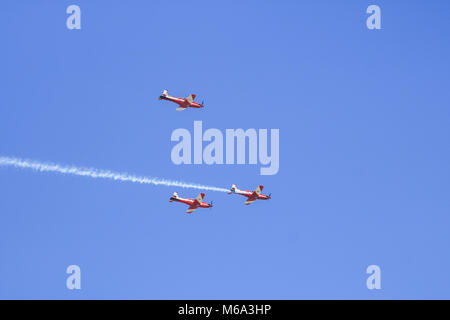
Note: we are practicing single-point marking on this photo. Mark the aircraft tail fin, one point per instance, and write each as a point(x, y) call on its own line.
point(233, 189)
point(175, 196)
point(165, 94)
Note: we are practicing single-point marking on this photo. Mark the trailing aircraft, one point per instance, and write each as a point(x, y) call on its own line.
point(192, 203)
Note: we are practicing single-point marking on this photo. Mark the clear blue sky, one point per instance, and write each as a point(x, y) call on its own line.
point(364, 149)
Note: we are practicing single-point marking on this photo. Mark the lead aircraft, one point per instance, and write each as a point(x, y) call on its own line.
point(251, 195)
point(183, 104)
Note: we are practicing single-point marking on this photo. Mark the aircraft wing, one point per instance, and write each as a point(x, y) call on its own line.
point(183, 106)
point(250, 200)
point(192, 208)
point(199, 199)
point(256, 193)
point(191, 98)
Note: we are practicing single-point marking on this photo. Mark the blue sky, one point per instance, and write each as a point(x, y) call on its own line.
point(364, 150)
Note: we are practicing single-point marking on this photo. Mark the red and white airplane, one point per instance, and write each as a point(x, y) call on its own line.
point(193, 203)
point(183, 104)
point(251, 195)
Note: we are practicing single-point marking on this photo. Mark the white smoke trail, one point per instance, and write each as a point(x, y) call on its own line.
point(101, 174)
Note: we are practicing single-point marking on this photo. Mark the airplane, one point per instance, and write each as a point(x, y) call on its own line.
point(193, 203)
point(251, 196)
point(183, 104)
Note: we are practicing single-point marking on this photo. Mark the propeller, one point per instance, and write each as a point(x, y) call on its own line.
point(211, 204)
point(270, 195)
point(203, 102)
